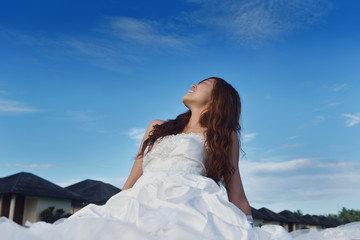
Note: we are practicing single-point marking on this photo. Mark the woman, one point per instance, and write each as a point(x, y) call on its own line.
point(174, 188)
point(214, 111)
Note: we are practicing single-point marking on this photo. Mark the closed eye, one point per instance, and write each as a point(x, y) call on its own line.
point(203, 81)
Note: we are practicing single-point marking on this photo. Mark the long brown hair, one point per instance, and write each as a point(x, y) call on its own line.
point(220, 120)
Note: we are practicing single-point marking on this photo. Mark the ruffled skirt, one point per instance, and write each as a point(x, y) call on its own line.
point(161, 205)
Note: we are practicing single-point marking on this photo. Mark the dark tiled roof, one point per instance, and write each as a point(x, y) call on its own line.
point(313, 220)
point(28, 184)
point(294, 218)
point(334, 222)
point(256, 214)
point(272, 216)
point(326, 221)
point(94, 191)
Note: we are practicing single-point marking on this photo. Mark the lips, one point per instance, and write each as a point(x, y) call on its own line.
point(191, 91)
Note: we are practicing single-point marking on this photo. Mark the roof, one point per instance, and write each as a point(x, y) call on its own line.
point(94, 191)
point(333, 222)
point(28, 184)
point(313, 220)
point(272, 216)
point(292, 216)
point(256, 214)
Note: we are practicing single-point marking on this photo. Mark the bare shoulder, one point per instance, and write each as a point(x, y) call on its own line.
point(156, 122)
point(149, 130)
point(153, 123)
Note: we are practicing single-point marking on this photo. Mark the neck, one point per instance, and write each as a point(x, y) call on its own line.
point(194, 121)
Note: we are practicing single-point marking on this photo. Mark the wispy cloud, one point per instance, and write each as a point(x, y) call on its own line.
point(352, 119)
point(248, 137)
point(87, 119)
point(143, 31)
point(120, 39)
point(317, 120)
point(252, 23)
point(293, 137)
point(16, 107)
point(306, 178)
point(333, 104)
point(29, 166)
point(284, 147)
point(102, 51)
point(339, 87)
point(136, 134)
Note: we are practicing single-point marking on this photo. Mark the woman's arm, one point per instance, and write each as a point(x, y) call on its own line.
point(136, 170)
point(235, 188)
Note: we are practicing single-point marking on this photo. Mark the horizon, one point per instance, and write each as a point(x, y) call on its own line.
point(79, 84)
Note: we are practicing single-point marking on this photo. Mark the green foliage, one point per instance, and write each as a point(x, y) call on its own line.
point(346, 215)
point(299, 213)
point(48, 215)
point(349, 215)
point(333, 216)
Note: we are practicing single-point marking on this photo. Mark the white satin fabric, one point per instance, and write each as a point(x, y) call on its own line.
point(171, 200)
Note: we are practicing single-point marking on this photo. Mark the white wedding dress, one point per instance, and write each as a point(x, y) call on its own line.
point(171, 200)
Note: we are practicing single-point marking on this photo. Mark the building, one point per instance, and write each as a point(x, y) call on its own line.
point(295, 221)
point(270, 217)
point(92, 191)
point(23, 196)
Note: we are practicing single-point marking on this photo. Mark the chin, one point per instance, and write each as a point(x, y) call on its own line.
point(185, 101)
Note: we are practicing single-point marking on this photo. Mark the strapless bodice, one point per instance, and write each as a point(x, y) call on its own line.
point(183, 152)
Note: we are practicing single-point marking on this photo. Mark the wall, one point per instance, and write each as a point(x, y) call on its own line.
point(30, 210)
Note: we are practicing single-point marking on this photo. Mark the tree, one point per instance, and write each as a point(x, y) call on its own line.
point(299, 213)
point(349, 215)
point(332, 216)
point(48, 215)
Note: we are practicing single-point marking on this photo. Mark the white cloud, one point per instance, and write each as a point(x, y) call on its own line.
point(143, 31)
point(318, 119)
point(293, 137)
point(16, 107)
point(248, 137)
point(136, 134)
point(352, 120)
point(88, 120)
point(284, 147)
point(303, 179)
point(333, 104)
point(29, 166)
point(339, 87)
point(253, 22)
point(88, 48)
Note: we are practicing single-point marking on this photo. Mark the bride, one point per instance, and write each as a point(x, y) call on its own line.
point(174, 190)
point(214, 111)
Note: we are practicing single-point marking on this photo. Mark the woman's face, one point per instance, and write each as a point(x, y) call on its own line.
point(200, 94)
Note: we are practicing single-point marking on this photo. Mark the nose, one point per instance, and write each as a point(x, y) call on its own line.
point(193, 86)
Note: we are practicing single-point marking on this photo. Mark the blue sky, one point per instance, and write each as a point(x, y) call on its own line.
point(80, 81)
